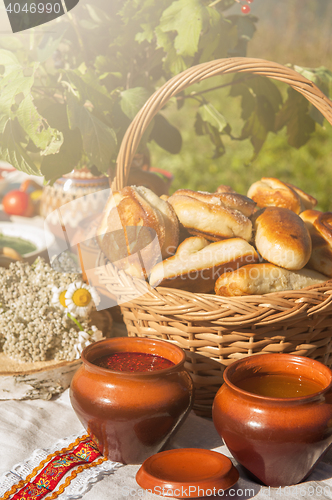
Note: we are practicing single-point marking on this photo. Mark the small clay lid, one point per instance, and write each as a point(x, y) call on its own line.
point(187, 473)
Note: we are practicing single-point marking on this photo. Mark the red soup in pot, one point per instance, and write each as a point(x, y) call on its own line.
point(133, 362)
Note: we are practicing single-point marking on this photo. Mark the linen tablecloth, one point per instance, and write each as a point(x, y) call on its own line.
point(26, 426)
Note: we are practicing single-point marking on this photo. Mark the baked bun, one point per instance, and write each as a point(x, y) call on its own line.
point(282, 238)
point(223, 188)
point(198, 263)
point(150, 180)
point(132, 219)
point(319, 225)
point(271, 192)
point(213, 216)
point(308, 201)
point(258, 279)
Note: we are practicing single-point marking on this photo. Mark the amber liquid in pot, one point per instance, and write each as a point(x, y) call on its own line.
point(279, 385)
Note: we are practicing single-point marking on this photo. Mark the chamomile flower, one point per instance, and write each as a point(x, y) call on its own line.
point(96, 334)
point(58, 297)
point(80, 297)
point(85, 339)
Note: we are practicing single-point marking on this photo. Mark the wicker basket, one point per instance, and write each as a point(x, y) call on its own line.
point(215, 331)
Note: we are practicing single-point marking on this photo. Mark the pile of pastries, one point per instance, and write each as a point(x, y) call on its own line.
point(271, 240)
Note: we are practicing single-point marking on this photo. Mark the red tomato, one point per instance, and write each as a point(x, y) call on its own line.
point(17, 203)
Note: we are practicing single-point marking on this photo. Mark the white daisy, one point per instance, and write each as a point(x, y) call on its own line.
point(58, 297)
point(80, 297)
point(85, 339)
point(96, 334)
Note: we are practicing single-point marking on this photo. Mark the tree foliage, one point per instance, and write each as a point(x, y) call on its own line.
point(67, 101)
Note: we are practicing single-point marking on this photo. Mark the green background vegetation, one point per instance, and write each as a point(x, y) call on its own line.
point(298, 33)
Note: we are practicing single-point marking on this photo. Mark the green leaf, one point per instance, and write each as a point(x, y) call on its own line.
point(260, 122)
point(250, 88)
point(47, 139)
point(165, 135)
point(8, 62)
point(11, 43)
point(212, 116)
point(186, 18)
point(246, 27)
point(13, 85)
point(294, 115)
point(99, 140)
point(173, 62)
point(203, 127)
point(50, 42)
point(12, 151)
point(89, 89)
point(56, 165)
point(322, 77)
point(146, 35)
point(97, 15)
point(132, 100)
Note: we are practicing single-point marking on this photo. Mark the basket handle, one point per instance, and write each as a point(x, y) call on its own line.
point(197, 74)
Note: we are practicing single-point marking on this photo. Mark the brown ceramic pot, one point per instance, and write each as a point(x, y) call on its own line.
point(279, 440)
point(129, 415)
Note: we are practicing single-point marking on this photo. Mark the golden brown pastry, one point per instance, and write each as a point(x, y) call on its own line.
point(258, 279)
point(308, 201)
point(223, 188)
point(319, 225)
point(132, 219)
point(270, 191)
point(198, 263)
point(150, 180)
point(213, 216)
point(282, 238)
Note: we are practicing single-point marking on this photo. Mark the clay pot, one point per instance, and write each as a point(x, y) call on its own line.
point(129, 415)
point(279, 440)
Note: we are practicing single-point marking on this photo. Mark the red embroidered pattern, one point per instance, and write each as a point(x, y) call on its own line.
point(47, 480)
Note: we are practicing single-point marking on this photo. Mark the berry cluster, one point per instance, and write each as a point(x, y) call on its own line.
point(245, 6)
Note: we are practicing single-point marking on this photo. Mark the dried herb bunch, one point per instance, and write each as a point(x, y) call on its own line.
point(32, 328)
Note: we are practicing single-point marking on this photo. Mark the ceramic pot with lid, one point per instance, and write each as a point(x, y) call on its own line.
point(278, 439)
point(131, 415)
